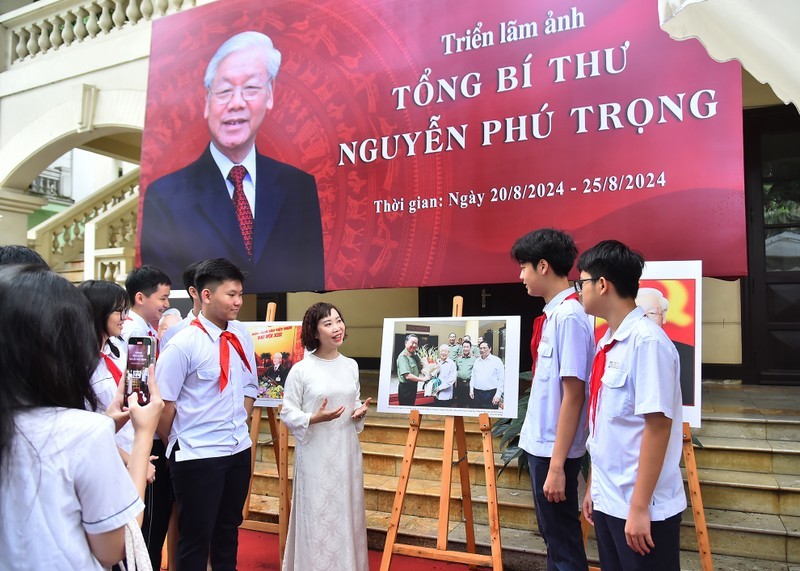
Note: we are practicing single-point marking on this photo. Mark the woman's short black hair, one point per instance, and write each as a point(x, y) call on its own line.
point(105, 298)
point(48, 348)
point(315, 314)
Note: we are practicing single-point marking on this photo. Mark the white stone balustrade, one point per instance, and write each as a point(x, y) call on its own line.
point(110, 240)
point(44, 27)
point(61, 238)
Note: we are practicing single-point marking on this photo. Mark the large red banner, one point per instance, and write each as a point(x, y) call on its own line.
point(439, 132)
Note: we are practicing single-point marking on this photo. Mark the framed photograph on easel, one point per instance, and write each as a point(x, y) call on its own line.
point(450, 366)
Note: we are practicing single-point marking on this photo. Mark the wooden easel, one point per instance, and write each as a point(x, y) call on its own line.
point(280, 447)
point(695, 498)
point(454, 430)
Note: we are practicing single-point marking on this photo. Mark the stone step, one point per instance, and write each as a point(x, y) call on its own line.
point(750, 426)
point(515, 506)
point(387, 459)
point(755, 535)
point(749, 455)
point(738, 542)
point(750, 492)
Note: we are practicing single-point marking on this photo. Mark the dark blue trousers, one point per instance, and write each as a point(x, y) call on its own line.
point(615, 555)
point(211, 493)
point(559, 522)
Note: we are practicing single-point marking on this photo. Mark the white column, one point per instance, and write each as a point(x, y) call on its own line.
point(15, 207)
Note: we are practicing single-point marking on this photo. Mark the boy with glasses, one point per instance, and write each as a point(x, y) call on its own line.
point(636, 495)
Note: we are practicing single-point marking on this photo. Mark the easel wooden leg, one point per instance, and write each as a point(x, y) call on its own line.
point(696, 500)
point(255, 427)
point(491, 492)
point(402, 485)
point(447, 478)
point(466, 493)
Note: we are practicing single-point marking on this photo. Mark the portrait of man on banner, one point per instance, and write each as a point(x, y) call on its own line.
point(233, 201)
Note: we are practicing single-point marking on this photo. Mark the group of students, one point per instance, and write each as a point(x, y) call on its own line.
point(620, 398)
point(78, 465)
point(71, 479)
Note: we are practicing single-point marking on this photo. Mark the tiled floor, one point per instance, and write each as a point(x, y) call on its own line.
point(750, 401)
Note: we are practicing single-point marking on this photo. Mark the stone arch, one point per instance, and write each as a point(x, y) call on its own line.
point(56, 132)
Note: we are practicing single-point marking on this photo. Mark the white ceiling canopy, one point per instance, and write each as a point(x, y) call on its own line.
point(763, 35)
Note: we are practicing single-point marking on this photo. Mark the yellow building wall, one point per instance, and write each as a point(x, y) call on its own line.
point(363, 313)
point(722, 322)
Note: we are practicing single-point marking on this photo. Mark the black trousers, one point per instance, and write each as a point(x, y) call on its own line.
point(559, 522)
point(407, 393)
point(211, 493)
point(483, 399)
point(157, 506)
point(615, 555)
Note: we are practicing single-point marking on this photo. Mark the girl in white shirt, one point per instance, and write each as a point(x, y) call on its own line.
point(65, 495)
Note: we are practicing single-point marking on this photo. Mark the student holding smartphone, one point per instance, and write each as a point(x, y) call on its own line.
point(65, 493)
point(207, 376)
point(148, 291)
point(109, 304)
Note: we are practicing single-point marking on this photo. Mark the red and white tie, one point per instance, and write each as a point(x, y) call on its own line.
point(242, 207)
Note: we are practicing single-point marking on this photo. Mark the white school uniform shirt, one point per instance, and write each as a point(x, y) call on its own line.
point(566, 350)
point(180, 326)
point(447, 376)
point(63, 478)
point(642, 376)
point(208, 423)
point(105, 389)
point(488, 374)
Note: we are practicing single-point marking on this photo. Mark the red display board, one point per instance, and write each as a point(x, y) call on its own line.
point(438, 133)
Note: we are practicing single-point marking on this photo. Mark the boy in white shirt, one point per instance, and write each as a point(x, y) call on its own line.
point(635, 421)
point(555, 427)
point(148, 292)
point(207, 376)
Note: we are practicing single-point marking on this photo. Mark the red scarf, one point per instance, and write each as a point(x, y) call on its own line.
point(112, 367)
point(226, 338)
point(538, 327)
point(595, 383)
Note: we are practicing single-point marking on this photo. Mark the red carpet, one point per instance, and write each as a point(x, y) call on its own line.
point(259, 551)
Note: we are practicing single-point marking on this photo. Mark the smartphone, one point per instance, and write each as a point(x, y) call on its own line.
point(141, 354)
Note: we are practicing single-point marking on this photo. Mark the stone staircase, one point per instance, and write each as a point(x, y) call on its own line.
point(749, 471)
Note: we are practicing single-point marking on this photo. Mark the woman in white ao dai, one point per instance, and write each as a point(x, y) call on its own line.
point(323, 411)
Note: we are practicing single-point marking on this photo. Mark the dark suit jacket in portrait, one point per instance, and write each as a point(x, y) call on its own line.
point(188, 216)
point(279, 375)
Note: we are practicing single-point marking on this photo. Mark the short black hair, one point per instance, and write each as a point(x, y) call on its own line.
point(211, 273)
point(146, 279)
point(188, 275)
point(556, 247)
point(105, 298)
point(617, 263)
point(467, 342)
point(315, 314)
point(15, 254)
point(43, 312)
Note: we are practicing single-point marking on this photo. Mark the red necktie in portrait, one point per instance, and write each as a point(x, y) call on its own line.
point(595, 383)
point(226, 339)
point(242, 207)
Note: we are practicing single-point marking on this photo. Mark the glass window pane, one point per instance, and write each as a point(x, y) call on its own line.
point(782, 249)
point(781, 175)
